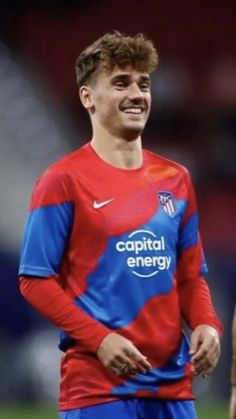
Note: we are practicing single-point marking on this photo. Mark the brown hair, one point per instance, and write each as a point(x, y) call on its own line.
point(116, 49)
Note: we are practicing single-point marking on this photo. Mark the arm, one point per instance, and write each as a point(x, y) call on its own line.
point(194, 296)
point(112, 350)
point(233, 370)
point(196, 304)
point(198, 311)
point(47, 297)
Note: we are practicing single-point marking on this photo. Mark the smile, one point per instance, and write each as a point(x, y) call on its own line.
point(133, 110)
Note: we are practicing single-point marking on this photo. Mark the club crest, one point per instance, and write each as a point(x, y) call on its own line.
point(167, 202)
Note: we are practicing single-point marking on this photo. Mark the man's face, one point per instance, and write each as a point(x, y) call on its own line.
point(121, 101)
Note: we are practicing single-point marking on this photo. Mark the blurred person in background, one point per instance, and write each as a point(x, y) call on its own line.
point(233, 370)
point(112, 255)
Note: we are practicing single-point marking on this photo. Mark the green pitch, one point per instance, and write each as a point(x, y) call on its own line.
point(212, 411)
point(21, 412)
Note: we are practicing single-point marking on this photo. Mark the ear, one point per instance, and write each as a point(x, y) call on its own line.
point(86, 97)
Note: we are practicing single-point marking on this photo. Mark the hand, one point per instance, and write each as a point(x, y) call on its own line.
point(232, 408)
point(205, 349)
point(121, 356)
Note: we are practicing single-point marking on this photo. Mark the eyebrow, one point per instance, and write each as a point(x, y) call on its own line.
point(126, 76)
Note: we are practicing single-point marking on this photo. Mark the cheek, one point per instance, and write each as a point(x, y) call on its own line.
point(108, 108)
point(107, 114)
point(149, 100)
point(149, 103)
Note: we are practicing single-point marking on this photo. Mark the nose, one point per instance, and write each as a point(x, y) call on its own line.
point(135, 92)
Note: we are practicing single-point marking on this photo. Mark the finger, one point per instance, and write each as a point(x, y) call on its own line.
point(143, 367)
point(141, 360)
point(115, 367)
point(124, 370)
point(213, 363)
point(210, 369)
point(116, 370)
point(206, 364)
point(206, 352)
point(194, 344)
point(121, 373)
point(201, 365)
point(200, 369)
point(127, 367)
point(208, 372)
point(200, 354)
point(208, 345)
point(121, 360)
point(206, 348)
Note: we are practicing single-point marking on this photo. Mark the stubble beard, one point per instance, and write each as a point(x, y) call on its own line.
point(132, 133)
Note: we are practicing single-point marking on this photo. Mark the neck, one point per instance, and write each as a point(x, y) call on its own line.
point(117, 151)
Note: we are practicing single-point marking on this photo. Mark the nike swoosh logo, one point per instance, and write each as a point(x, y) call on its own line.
point(101, 204)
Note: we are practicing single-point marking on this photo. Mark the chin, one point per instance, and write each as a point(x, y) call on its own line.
point(132, 133)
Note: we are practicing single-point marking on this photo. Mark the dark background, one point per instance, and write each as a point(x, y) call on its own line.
point(193, 121)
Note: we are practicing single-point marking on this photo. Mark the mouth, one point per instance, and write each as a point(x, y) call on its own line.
point(133, 110)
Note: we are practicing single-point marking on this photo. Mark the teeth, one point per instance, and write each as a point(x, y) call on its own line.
point(133, 110)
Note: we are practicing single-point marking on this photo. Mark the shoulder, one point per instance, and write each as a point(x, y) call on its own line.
point(67, 166)
point(168, 165)
point(58, 179)
point(70, 163)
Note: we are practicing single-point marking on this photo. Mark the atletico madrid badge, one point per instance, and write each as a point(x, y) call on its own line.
point(167, 202)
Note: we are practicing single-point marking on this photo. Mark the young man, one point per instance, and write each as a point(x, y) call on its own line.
point(111, 254)
point(233, 370)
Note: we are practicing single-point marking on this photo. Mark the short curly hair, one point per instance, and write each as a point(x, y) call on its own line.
point(115, 49)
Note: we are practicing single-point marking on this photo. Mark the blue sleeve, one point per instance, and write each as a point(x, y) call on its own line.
point(189, 238)
point(45, 238)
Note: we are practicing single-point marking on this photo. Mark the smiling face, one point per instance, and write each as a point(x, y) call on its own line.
point(119, 101)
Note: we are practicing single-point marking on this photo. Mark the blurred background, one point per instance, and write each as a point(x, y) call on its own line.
point(193, 121)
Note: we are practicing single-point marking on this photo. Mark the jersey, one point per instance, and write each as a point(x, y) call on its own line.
point(122, 243)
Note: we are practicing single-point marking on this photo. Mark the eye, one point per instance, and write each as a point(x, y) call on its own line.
point(145, 86)
point(120, 84)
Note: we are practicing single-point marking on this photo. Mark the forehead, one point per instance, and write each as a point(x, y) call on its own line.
point(121, 72)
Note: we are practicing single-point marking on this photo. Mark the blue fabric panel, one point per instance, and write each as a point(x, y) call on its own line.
point(45, 238)
point(189, 233)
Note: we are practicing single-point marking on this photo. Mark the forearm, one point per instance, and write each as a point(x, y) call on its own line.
point(196, 304)
point(51, 301)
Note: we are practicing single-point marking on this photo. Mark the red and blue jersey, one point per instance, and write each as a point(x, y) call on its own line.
point(124, 245)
